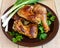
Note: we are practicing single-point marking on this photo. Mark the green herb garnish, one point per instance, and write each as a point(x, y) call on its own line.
point(49, 22)
point(14, 40)
point(52, 18)
point(16, 36)
point(42, 35)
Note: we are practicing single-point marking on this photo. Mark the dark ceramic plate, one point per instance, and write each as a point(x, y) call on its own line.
point(35, 42)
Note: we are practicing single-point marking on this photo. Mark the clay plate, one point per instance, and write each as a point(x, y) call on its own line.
point(35, 42)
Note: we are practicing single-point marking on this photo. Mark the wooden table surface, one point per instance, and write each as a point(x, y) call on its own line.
point(6, 43)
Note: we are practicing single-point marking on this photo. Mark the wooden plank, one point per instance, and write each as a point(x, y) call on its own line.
point(4, 41)
point(6, 4)
point(57, 3)
point(55, 43)
point(22, 47)
point(49, 3)
point(30, 47)
point(0, 4)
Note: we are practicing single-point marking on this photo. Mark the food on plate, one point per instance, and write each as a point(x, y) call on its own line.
point(30, 19)
point(27, 13)
point(35, 13)
point(29, 30)
point(9, 14)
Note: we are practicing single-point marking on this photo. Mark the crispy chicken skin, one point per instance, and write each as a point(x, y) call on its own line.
point(30, 30)
point(35, 13)
point(43, 15)
point(27, 13)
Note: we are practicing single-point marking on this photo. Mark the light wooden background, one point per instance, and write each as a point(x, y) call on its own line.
point(6, 43)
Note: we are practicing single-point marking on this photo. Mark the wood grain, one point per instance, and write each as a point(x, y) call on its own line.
point(30, 47)
point(0, 5)
point(49, 3)
point(57, 5)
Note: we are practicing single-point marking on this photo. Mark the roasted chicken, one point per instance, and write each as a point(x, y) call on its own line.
point(38, 9)
point(35, 13)
point(27, 13)
point(29, 30)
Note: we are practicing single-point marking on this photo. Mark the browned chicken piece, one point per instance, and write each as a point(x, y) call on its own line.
point(38, 9)
point(28, 30)
point(16, 17)
point(35, 13)
point(27, 13)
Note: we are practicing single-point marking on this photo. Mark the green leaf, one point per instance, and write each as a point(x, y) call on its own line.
point(14, 40)
point(52, 18)
point(42, 36)
point(49, 22)
point(41, 29)
point(49, 14)
point(18, 2)
point(12, 33)
point(33, 1)
point(28, 1)
point(39, 36)
point(17, 34)
point(19, 38)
